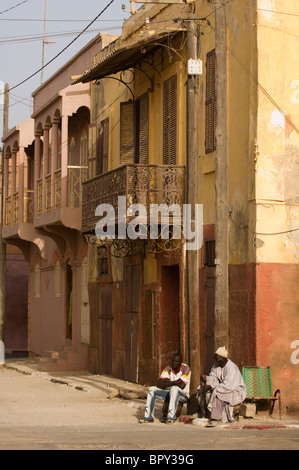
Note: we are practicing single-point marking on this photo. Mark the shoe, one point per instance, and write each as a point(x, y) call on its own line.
point(170, 421)
point(143, 421)
point(212, 423)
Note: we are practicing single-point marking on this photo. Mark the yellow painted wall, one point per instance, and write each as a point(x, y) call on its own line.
point(277, 169)
point(262, 147)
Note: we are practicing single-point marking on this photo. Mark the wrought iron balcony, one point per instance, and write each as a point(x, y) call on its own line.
point(140, 184)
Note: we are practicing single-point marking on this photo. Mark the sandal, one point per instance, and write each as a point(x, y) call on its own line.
point(143, 421)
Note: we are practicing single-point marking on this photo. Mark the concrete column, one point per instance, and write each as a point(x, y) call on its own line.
point(5, 189)
point(64, 160)
point(21, 185)
point(6, 185)
point(54, 165)
point(37, 156)
point(221, 185)
point(192, 256)
point(55, 145)
point(45, 163)
point(13, 172)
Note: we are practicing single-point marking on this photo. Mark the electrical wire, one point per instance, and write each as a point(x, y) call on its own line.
point(263, 90)
point(12, 8)
point(38, 37)
point(65, 48)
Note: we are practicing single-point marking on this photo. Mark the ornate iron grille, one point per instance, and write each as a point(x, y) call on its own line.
point(140, 184)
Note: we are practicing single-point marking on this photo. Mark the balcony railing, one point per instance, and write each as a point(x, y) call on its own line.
point(12, 208)
point(48, 180)
point(140, 184)
point(76, 176)
point(28, 206)
point(8, 212)
point(57, 187)
point(39, 196)
point(15, 208)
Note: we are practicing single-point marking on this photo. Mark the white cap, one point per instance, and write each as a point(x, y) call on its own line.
point(222, 352)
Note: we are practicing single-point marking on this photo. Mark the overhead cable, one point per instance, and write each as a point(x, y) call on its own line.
point(65, 48)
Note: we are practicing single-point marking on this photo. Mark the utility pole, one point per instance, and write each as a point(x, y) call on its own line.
point(192, 256)
point(2, 244)
point(221, 184)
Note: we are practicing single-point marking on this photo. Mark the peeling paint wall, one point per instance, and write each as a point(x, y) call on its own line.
point(277, 194)
point(277, 166)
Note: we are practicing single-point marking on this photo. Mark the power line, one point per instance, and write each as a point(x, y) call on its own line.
point(11, 8)
point(263, 90)
point(38, 37)
point(56, 20)
point(65, 48)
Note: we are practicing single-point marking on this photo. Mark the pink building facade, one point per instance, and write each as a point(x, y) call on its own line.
point(47, 158)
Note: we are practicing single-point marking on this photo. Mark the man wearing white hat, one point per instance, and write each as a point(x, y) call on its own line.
point(223, 388)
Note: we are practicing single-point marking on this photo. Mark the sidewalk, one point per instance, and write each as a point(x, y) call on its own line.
point(105, 387)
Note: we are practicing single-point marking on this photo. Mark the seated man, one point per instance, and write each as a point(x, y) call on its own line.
point(174, 382)
point(223, 389)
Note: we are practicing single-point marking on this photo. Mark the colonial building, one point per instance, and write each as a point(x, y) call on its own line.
point(17, 142)
point(225, 137)
point(46, 161)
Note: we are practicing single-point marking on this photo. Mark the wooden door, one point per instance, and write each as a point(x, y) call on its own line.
point(132, 322)
point(106, 320)
point(210, 319)
point(169, 322)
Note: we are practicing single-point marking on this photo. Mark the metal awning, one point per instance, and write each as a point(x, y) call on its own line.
point(119, 56)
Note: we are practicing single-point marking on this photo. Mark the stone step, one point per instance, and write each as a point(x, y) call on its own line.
point(70, 358)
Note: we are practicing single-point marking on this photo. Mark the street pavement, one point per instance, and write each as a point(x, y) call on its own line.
point(81, 411)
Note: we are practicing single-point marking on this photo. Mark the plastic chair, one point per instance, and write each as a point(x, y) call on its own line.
point(258, 384)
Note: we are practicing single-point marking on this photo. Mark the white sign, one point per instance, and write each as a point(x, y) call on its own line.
point(194, 67)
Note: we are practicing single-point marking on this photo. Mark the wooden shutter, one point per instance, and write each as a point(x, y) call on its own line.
point(104, 145)
point(92, 151)
point(143, 131)
point(169, 120)
point(210, 137)
point(127, 132)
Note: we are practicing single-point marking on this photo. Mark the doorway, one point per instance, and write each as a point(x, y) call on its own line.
point(105, 333)
point(170, 313)
point(132, 321)
point(210, 303)
point(69, 303)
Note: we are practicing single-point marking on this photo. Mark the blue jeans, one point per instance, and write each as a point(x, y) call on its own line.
point(175, 394)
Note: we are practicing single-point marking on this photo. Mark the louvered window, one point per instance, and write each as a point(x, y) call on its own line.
point(169, 120)
point(104, 146)
point(127, 132)
point(143, 131)
point(92, 150)
point(134, 131)
point(210, 142)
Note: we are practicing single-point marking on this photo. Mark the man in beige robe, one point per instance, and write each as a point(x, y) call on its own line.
point(222, 389)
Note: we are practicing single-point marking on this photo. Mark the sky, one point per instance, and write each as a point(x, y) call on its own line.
point(21, 42)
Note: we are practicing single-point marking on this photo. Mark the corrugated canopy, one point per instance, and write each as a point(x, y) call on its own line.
point(118, 57)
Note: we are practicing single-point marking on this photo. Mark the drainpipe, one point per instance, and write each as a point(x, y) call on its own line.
point(192, 257)
point(221, 184)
